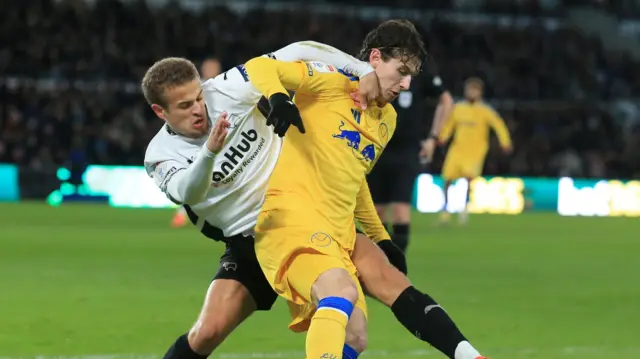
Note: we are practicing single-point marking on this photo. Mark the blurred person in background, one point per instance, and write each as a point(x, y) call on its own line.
point(392, 180)
point(471, 121)
point(210, 68)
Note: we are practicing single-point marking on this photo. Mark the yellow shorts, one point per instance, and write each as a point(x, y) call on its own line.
point(292, 257)
point(457, 166)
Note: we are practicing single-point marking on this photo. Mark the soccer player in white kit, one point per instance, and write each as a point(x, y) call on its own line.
point(220, 175)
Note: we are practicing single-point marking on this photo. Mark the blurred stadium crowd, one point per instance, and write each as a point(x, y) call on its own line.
point(69, 89)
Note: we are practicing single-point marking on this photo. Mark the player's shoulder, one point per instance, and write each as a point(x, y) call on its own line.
point(487, 107)
point(461, 103)
point(230, 87)
point(328, 73)
point(166, 145)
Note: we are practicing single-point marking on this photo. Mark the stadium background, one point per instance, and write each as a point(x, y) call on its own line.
point(81, 278)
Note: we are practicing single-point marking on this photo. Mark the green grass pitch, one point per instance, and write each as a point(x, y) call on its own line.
point(84, 280)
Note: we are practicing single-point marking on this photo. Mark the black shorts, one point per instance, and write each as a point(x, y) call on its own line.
point(394, 176)
point(239, 263)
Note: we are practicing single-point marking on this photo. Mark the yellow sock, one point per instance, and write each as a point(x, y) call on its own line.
point(326, 335)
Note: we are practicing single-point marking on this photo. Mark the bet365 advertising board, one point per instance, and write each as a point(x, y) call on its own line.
point(127, 186)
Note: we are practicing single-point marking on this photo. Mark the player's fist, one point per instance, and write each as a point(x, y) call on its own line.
point(368, 90)
point(283, 114)
point(507, 150)
point(218, 133)
point(428, 149)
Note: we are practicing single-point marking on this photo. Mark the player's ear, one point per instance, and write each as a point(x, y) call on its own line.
point(375, 57)
point(159, 111)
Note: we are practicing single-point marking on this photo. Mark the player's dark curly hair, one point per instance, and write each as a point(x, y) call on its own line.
point(394, 39)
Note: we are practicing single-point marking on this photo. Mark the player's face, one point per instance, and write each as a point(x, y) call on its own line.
point(472, 92)
point(394, 75)
point(185, 112)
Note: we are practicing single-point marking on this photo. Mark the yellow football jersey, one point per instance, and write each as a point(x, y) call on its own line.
point(471, 123)
point(322, 172)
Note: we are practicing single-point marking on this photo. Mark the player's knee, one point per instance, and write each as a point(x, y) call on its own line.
point(206, 336)
point(382, 212)
point(335, 282)
point(401, 213)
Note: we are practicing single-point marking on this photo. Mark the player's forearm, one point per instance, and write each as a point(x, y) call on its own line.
point(366, 214)
point(191, 186)
point(443, 111)
point(272, 76)
point(316, 51)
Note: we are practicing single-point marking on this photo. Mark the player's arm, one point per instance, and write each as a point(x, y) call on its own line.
point(366, 214)
point(315, 51)
point(272, 77)
point(444, 108)
point(497, 124)
point(190, 184)
point(447, 129)
point(184, 184)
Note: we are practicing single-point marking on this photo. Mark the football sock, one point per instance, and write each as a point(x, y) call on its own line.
point(349, 353)
point(182, 350)
point(425, 319)
point(400, 236)
point(327, 332)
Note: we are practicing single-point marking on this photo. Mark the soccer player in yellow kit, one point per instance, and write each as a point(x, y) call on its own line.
point(305, 233)
point(471, 121)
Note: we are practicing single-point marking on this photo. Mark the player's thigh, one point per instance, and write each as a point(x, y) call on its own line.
point(227, 304)
point(240, 264)
point(378, 277)
point(295, 254)
point(472, 167)
point(451, 167)
point(315, 276)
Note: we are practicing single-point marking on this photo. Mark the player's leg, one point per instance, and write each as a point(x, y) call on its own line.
point(335, 293)
point(238, 289)
point(356, 336)
point(420, 314)
point(470, 170)
point(450, 172)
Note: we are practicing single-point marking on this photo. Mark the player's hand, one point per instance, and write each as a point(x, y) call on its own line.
point(507, 150)
point(368, 90)
point(428, 149)
point(283, 114)
point(394, 254)
point(218, 134)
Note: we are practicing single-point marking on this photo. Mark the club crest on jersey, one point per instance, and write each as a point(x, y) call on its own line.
point(383, 134)
point(353, 139)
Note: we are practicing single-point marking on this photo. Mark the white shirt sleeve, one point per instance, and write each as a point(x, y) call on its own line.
point(316, 51)
point(184, 184)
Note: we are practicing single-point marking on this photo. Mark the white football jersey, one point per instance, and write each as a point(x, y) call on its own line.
point(241, 169)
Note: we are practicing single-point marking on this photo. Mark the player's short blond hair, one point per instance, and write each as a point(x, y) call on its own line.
point(474, 81)
point(167, 73)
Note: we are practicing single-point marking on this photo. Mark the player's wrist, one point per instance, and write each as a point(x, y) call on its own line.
point(278, 98)
point(207, 153)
